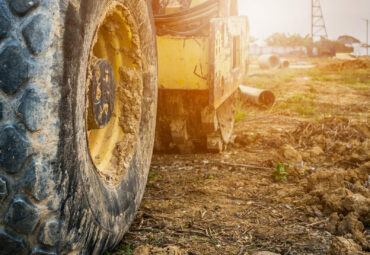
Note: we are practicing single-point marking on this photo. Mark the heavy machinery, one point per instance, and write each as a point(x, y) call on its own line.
point(78, 101)
point(202, 56)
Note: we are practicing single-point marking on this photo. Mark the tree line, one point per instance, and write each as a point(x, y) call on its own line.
point(297, 40)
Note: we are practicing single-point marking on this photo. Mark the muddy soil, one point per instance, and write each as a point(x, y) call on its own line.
point(238, 202)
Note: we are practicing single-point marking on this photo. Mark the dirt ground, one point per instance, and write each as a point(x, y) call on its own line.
point(295, 180)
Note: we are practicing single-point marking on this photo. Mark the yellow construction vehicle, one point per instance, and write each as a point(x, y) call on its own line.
point(202, 57)
point(79, 92)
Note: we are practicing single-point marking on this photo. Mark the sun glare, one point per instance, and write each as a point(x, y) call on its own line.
point(342, 17)
point(270, 16)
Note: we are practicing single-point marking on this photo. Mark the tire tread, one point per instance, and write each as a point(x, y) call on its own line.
point(24, 183)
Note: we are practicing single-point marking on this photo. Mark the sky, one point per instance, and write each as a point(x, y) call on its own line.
point(342, 17)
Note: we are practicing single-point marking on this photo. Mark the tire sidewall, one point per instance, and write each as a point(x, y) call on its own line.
point(113, 207)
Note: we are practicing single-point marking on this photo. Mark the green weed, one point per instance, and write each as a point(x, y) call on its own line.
point(153, 175)
point(240, 112)
point(356, 78)
point(286, 77)
point(312, 89)
point(299, 103)
point(126, 249)
point(280, 173)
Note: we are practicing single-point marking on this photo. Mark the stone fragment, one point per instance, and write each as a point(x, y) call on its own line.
point(343, 246)
point(291, 154)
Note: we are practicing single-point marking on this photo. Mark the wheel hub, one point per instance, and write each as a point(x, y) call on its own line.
point(114, 91)
point(101, 93)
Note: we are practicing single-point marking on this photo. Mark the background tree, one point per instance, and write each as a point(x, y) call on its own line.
point(288, 40)
point(324, 46)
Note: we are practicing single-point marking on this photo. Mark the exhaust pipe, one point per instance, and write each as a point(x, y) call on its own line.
point(257, 96)
point(269, 62)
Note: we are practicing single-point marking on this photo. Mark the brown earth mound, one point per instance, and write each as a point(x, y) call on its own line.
point(347, 64)
point(338, 140)
point(346, 196)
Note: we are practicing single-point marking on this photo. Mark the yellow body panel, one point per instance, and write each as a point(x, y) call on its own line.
point(183, 63)
point(229, 57)
point(196, 2)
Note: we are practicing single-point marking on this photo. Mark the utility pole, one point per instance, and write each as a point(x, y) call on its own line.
point(318, 27)
point(367, 36)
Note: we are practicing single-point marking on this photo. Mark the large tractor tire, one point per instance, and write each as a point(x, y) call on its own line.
point(78, 95)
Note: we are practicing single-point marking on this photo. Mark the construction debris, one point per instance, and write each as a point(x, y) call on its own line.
point(269, 62)
point(260, 97)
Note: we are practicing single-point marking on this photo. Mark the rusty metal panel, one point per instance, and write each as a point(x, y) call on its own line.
point(228, 57)
point(226, 7)
point(183, 63)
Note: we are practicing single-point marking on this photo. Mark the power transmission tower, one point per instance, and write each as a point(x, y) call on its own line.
point(367, 36)
point(318, 27)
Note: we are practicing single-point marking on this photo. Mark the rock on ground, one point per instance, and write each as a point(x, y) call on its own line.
point(343, 246)
point(291, 154)
point(150, 250)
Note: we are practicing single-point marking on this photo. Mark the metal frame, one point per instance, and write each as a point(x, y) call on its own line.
point(318, 27)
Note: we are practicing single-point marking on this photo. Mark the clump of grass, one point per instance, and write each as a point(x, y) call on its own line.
point(301, 104)
point(312, 89)
point(286, 77)
point(153, 175)
point(240, 112)
point(305, 109)
point(354, 78)
point(126, 249)
point(279, 172)
point(298, 98)
point(357, 79)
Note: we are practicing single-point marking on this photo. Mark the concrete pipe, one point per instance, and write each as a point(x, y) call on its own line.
point(257, 96)
point(269, 62)
point(284, 63)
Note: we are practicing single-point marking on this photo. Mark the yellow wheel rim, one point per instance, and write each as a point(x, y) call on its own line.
point(112, 147)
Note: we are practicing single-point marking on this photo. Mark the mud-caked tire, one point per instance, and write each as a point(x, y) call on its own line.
point(52, 201)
